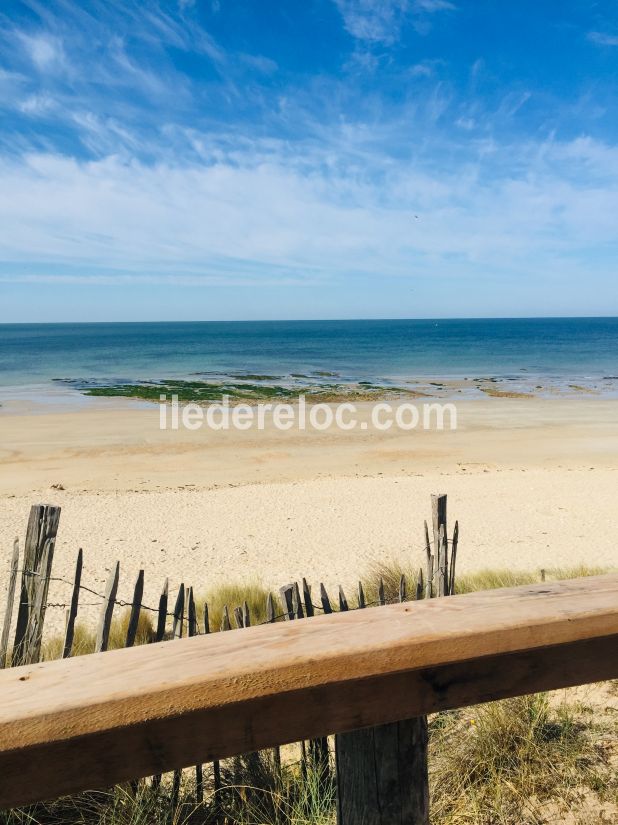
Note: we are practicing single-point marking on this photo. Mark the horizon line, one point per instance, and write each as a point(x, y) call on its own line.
point(319, 320)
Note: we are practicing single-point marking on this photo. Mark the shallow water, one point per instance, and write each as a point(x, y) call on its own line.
point(543, 355)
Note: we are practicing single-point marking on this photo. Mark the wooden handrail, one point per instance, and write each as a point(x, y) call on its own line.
point(92, 721)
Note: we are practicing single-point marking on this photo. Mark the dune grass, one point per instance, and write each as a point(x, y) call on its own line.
point(254, 792)
point(233, 595)
point(525, 761)
point(489, 579)
point(85, 637)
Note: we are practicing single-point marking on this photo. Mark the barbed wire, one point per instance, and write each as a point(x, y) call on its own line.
point(184, 619)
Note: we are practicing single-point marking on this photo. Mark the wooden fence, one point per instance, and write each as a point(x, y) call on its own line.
point(368, 676)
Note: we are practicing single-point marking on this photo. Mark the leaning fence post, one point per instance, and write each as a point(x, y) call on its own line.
point(107, 610)
point(136, 607)
point(162, 614)
point(10, 598)
point(72, 614)
point(179, 613)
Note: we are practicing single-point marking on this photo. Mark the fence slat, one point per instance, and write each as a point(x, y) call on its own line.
point(451, 588)
point(179, 613)
point(297, 603)
point(343, 602)
point(309, 611)
point(225, 620)
point(136, 607)
point(10, 598)
point(238, 616)
point(287, 599)
point(438, 516)
point(326, 606)
point(429, 564)
point(420, 588)
point(381, 596)
point(162, 614)
point(270, 608)
point(69, 635)
point(191, 614)
point(107, 610)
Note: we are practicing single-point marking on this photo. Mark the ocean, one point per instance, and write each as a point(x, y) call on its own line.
point(546, 353)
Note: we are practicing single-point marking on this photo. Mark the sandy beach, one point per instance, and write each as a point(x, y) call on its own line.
point(529, 481)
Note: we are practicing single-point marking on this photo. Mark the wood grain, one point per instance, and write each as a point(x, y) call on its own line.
point(38, 556)
point(95, 720)
point(10, 598)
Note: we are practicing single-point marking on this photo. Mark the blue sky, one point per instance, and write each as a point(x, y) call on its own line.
point(232, 159)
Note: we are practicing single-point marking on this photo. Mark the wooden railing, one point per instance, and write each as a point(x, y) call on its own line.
point(92, 721)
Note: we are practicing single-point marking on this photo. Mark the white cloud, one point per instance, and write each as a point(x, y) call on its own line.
point(603, 39)
point(45, 51)
point(265, 214)
point(262, 64)
point(433, 5)
point(37, 105)
point(424, 69)
point(380, 21)
point(467, 123)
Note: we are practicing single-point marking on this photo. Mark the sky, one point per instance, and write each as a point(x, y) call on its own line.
point(264, 159)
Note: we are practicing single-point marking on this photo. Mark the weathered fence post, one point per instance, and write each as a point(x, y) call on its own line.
point(10, 597)
point(38, 557)
point(382, 772)
point(107, 610)
point(136, 606)
point(438, 514)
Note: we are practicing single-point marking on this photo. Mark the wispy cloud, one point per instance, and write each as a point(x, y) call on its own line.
point(45, 51)
point(603, 39)
point(380, 21)
point(268, 209)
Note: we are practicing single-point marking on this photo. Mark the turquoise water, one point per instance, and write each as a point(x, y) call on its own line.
point(555, 351)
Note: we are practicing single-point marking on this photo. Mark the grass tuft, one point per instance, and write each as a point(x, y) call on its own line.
point(489, 579)
point(512, 762)
point(233, 595)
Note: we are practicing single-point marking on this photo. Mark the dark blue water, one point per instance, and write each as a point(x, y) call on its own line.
point(573, 349)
